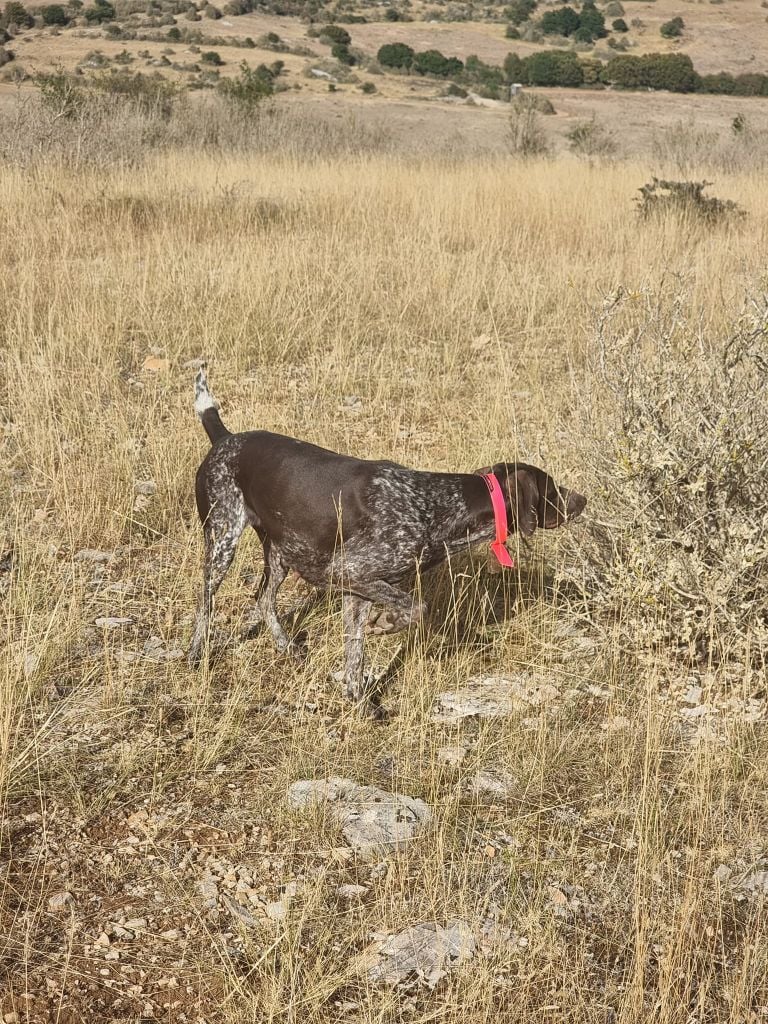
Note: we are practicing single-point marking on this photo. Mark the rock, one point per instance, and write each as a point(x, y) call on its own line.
point(60, 900)
point(372, 820)
point(493, 697)
point(756, 882)
point(209, 891)
point(242, 915)
point(103, 940)
point(112, 621)
point(277, 911)
point(722, 873)
point(423, 953)
point(145, 487)
point(350, 892)
point(195, 364)
point(93, 555)
point(693, 695)
point(492, 784)
point(452, 756)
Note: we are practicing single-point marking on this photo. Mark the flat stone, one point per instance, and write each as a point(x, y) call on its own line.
point(372, 820)
point(492, 784)
point(423, 953)
point(493, 697)
point(452, 756)
point(59, 901)
point(93, 555)
point(112, 621)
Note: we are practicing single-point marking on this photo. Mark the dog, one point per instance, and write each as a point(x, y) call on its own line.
point(364, 527)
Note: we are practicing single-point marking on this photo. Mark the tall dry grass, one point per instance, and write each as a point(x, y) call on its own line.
point(458, 304)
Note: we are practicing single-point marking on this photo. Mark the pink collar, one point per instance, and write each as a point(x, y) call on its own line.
point(500, 515)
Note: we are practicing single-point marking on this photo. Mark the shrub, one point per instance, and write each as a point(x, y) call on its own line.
point(17, 15)
point(432, 62)
point(676, 444)
point(335, 34)
point(511, 32)
point(174, 34)
point(526, 135)
point(211, 57)
point(532, 101)
point(54, 14)
point(673, 71)
point(591, 139)
point(487, 76)
point(520, 10)
point(100, 12)
point(395, 55)
point(391, 14)
point(457, 91)
point(368, 88)
point(6, 56)
point(619, 25)
point(561, 22)
point(341, 53)
point(513, 69)
point(553, 67)
point(249, 88)
point(686, 199)
point(673, 28)
point(592, 21)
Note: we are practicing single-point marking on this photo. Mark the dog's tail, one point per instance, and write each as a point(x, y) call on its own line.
point(207, 408)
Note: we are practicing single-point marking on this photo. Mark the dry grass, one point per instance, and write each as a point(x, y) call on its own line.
point(457, 302)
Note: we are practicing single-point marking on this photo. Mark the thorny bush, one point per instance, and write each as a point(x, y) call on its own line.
point(676, 444)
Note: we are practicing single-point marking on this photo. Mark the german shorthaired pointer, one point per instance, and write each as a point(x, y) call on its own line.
point(365, 527)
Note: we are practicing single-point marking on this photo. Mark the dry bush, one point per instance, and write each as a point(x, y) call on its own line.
point(527, 137)
point(687, 149)
point(685, 200)
point(591, 139)
point(104, 126)
point(678, 556)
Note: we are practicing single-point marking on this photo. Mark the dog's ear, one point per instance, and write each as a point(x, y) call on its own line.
point(524, 500)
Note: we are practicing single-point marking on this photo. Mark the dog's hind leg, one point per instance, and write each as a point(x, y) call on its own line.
point(221, 532)
point(275, 571)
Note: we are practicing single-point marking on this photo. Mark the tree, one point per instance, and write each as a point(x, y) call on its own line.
point(16, 14)
point(672, 29)
point(514, 69)
point(561, 22)
point(554, 67)
point(336, 34)
point(54, 14)
point(592, 21)
point(520, 10)
point(432, 62)
point(249, 88)
point(395, 55)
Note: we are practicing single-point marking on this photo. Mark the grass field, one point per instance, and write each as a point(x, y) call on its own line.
point(441, 314)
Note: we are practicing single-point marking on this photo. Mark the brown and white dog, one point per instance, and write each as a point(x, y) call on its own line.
point(366, 527)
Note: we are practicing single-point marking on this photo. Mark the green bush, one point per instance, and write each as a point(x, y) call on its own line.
point(54, 14)
point(553, 67)
point(561, 22)
point(487, 76)
point(16, 14)
point(512, 32)
point(100, 12)
point(211, 57)
point(619, 25)
point(672, 71)
point(335, 34)
point(395, 55)
point(514, 69)
point(368, 88)
point(391, 14)
point(592, 21)
point(251, 86)
point(519, 11)
point(672, 29)
point(340, 51)
point(432, 62)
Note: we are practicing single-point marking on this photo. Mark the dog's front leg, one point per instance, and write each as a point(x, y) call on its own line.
point(355, 612)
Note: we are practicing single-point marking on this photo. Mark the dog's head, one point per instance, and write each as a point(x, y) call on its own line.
point(533, 498)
